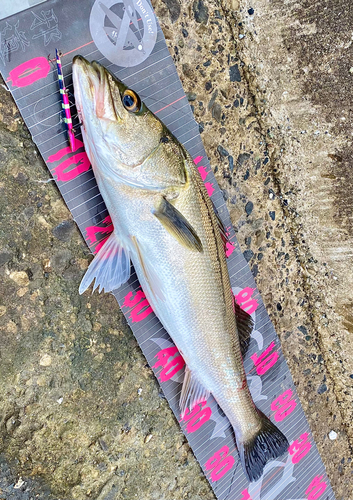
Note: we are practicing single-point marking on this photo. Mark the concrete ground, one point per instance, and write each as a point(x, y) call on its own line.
point(271, 87)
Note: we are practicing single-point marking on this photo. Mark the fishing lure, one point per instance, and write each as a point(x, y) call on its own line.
point(65, 104)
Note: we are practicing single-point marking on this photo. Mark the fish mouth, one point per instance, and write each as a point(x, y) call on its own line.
point(92, 90)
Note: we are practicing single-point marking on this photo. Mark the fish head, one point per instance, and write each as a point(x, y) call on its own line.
point(117, 126)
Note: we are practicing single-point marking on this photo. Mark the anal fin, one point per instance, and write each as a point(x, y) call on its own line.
point(192, 392)
point(110, 267)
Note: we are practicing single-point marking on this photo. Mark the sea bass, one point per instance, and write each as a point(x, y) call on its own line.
point(164, 222)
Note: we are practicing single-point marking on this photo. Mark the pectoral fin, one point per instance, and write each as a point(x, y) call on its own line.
point(192, 392)
point(176, 224)
point(110, 267)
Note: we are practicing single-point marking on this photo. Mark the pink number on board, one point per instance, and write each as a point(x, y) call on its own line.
point(209, 187)
point(220, 463)
point(170, 368)
point(141, 311)
point(283, 405)
point(203, 172)
point(316, 488)
point(29, 72)
point(266, 360)
point(92, 231)
point(131, 300)
point(245, 301)
point(197, 416)
point(64, 151)
point(201, 169)
point(79, 161)
point(299, 448)
point(101, 243)
point(140, 306)
point(229, 249)
point(246, 495)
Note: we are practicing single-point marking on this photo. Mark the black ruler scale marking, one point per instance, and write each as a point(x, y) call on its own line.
point(125, 37)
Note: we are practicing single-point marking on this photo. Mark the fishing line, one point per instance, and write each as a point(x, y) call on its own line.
point(5, 87)
point(45, 182)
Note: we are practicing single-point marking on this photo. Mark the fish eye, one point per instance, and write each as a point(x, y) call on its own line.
point(131, 101)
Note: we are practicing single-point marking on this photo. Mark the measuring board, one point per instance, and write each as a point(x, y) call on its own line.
point(124, 36)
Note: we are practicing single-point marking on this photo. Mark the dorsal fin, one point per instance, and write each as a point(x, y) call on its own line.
point(222, 229)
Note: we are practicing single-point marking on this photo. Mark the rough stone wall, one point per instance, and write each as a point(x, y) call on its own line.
point(299, 56)
point(81, 415)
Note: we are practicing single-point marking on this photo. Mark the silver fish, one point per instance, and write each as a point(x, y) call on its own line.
point(164, 222)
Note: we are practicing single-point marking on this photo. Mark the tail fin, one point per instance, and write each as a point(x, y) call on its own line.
point(269, 443)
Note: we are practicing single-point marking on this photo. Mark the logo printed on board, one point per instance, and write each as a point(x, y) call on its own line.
point(124, 31)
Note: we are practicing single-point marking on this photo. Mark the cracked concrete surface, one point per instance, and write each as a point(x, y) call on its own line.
point(270, 86)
